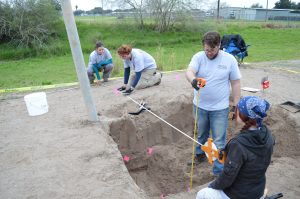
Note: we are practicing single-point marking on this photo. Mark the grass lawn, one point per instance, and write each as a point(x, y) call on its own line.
point(172, 50)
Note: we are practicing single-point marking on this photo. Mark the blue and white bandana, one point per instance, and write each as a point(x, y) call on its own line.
point(254, 107)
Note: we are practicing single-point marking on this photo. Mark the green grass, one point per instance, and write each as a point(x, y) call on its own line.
point(172, 50)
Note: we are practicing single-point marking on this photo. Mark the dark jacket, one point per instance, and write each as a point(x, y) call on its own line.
point(248, 157)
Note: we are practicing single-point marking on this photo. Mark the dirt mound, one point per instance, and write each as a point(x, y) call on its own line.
point(62, 155)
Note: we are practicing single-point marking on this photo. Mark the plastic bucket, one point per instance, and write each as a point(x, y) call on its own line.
point(36, 103)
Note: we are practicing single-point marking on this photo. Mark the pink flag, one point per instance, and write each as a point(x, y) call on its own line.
point(177, 77)
point(162, 196)
point(126, 158)
point(116, 92)
point(149, 150)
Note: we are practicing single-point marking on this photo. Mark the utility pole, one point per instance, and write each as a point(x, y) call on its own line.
point(266, 18)
point(218, 10)
point(78, 59)
point(102, 8)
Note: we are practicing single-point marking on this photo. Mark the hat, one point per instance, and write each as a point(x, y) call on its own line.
point(254, 107)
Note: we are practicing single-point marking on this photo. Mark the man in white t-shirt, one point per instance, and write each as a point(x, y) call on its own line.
point(144, 67)
point(100, 60)
point(220, 70)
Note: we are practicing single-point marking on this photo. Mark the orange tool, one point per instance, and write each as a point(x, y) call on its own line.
point(201, 82)
point(212, 152)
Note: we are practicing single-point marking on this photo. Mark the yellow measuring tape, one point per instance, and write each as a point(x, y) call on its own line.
point(33, 88)
point(193, 149)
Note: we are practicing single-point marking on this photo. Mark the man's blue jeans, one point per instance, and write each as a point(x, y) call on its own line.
point(216, 122)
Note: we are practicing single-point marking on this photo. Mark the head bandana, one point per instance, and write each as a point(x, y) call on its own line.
point(254, 108)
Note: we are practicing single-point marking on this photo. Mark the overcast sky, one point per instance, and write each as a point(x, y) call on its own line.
point(90, 4)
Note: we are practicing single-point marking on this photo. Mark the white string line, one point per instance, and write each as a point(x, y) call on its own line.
point(165, 121)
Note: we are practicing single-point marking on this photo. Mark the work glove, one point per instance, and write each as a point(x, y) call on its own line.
point(128, 91)
point(122, 88)
point(221, 153)
point(232, 112)
point(196, 83)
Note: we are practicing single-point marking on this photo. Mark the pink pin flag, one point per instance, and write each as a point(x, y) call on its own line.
point(116, 92)
point(126, 158)
point(162, 196)
point(188, 189)
point(177, 77)
point(150, 150)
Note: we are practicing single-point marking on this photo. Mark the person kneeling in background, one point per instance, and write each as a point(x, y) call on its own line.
point(248, 156)
point(144, 67)
point(100, 60)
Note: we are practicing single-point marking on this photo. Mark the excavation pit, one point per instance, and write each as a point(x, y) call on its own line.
point(156, 155)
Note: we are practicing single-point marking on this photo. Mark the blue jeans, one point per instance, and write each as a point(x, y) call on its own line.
point(216, 122)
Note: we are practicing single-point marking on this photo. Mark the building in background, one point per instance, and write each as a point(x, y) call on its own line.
point(259, 14)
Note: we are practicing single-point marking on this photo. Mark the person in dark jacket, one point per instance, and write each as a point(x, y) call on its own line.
point(248, 156)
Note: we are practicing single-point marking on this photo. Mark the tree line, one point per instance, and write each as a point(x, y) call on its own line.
point(32, 23)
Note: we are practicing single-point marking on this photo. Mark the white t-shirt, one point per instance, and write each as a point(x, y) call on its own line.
point(140, 60)
point(95, 58)
point(217, 73)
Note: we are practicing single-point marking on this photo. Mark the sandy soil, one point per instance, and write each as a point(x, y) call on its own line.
point(62, 155)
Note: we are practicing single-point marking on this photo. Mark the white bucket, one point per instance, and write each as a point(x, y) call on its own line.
point(36, 103)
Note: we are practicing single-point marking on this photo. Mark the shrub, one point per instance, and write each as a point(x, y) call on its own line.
point(28, 23)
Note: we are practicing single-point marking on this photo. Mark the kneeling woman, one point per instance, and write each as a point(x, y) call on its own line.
point(248, 156)
point(144, 67)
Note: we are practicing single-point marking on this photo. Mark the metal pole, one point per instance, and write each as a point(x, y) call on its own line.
point(102, 9)
point(218, 10)
point(266, 18)
point(78, 59)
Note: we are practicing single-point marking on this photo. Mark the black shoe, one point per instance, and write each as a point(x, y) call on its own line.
point(198, 159)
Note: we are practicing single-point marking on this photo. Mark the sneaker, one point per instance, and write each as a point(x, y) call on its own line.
point(198, 159)
point(105, 79)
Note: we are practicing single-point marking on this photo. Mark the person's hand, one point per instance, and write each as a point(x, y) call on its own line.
point(195, 84)
point(128, 91)
point(122, 88)
point(198, 83)
point(221, 153)
point(233, 112)
point(98, 82)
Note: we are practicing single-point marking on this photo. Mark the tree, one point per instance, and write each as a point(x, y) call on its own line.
point(24, 22)
point(164, 12)
point(96, 10)
point(295, 6)
point(78, 12)
point(56, 4)
point(214, 5)
point(256, 5)
point(283, 4)
point(139, 6)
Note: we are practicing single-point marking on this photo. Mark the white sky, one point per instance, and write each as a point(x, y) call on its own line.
point(90, 4)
